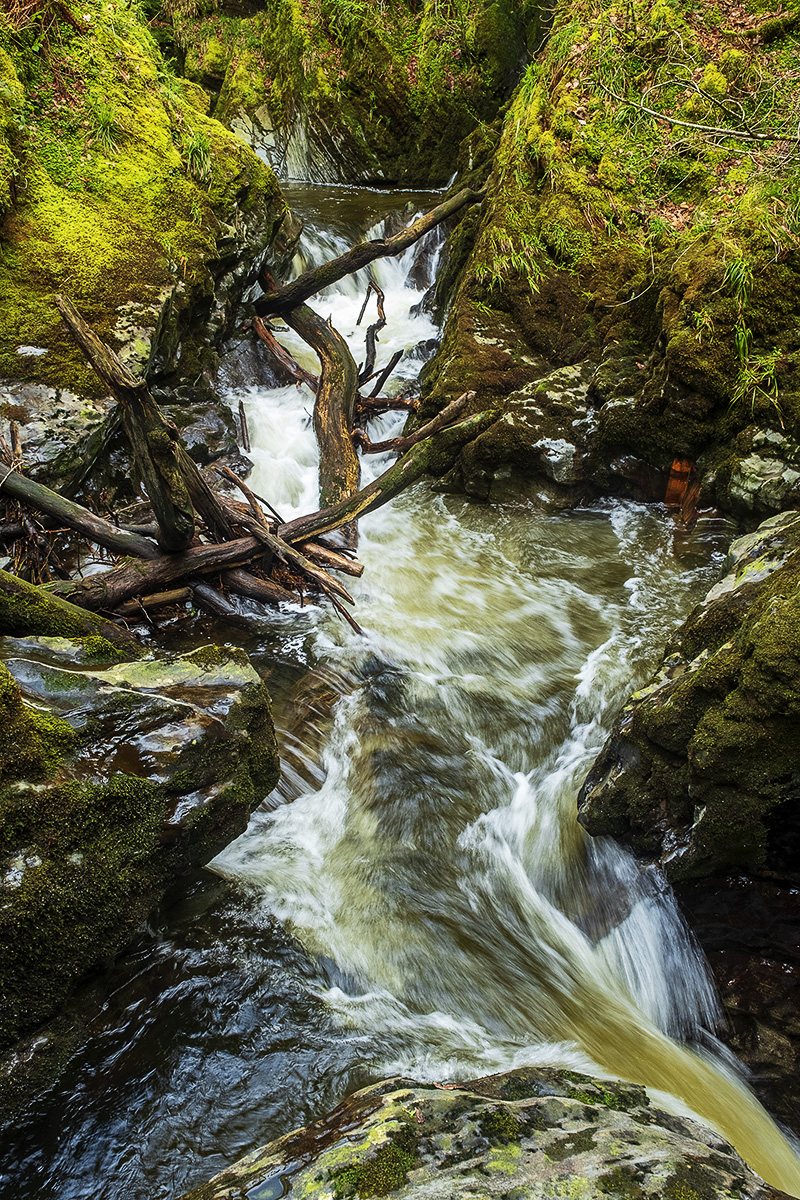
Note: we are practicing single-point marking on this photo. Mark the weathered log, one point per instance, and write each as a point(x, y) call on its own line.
point(282, 356)
point(446, 417)
point(213, 602)
point(132, 608)
point(27, 610)
point(296, 293)
point(339, 469)
point(131, 578)
point(254, 588)
point(427, 454)
point(292, 555)
point(103, 533)
point(206, 501)
point(324, 556)
point(154, 441)
point(367, 408)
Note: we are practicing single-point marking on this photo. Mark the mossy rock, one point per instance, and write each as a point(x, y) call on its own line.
point(127, 197)
point(138, 773)
point(528, 1133)
point(702, 770)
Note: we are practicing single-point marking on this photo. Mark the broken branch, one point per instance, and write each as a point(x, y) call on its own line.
point(286, 298)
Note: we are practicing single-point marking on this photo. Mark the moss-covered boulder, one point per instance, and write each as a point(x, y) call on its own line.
point(669, 259)
point(529, 1133)
point(117, 188)
point(115, 779)
point(702, 769)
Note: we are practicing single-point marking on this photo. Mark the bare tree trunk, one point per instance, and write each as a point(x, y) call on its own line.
point(154, 441)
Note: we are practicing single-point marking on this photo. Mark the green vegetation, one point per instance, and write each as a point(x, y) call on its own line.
point(644, 212)
point(104, 167)
point(384, 90)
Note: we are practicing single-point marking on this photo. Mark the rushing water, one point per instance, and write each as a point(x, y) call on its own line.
point(427, 904)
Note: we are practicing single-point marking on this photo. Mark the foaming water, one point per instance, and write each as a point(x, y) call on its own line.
point(439, 871)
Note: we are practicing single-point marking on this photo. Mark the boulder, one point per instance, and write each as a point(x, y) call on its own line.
point(702, 769)
point(116, 778)
point(525, 1135)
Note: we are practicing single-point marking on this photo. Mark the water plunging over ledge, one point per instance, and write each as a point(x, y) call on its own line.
point(429, 904)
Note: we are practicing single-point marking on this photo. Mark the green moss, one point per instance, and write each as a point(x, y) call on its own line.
point(500, 1126)
point(383, 1172)
point(32, 744)
point(621, 1182)
point(392, 89)
point(579, 1142)
point(108, 212)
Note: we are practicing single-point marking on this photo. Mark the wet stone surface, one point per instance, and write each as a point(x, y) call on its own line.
point(116, 779)
point(525, 1135)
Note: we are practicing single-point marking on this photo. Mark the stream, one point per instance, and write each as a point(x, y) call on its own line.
point(427, 903)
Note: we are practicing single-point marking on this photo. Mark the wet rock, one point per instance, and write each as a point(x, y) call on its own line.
point(54, 422)
point(702, 769)
point(539, 445)
point(766, 478)
point(749, 930)
point(528, 1134)
point(134, 774)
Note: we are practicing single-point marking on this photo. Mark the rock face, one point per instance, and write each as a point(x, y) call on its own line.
point(702, 770)
point(652, 264)
point(356, 93)
point(123, 193)
point(116, 779)
point(525, 1135)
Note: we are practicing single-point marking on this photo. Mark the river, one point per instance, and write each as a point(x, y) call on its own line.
point(427, 903)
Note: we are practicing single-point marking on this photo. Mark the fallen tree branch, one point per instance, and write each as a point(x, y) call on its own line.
point(101, 532)
point(401, 444)
point(339, 468)
point(154, 441)
point(286, 298)
point(426, 455)
point(131, 578)
point(385, 373)
point(132, 608)
point(366, 371)
point(282, 356)
point(293, 557)
point(254, 588)
point(739, 134)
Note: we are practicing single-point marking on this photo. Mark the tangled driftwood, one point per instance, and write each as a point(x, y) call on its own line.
point(198, 532)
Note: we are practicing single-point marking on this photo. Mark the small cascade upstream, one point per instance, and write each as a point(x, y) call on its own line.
point(427, 904)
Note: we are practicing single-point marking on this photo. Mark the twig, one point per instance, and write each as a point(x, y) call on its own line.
point(720, 132)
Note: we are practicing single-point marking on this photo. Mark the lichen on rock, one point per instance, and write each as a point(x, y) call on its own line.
point(532, 1133)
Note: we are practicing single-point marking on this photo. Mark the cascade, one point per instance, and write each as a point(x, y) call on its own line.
point(427, 904)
